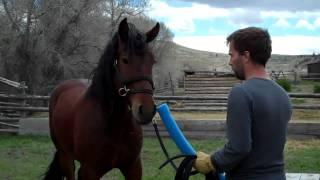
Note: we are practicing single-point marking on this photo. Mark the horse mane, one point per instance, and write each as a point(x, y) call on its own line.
point(102, 86)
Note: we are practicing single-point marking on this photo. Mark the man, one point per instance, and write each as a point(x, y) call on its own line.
point(257, 116)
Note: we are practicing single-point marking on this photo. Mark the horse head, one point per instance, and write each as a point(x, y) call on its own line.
point(124, 71)
point(133, 70)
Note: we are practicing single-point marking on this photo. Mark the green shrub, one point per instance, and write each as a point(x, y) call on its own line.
point(316, 88)
point(285, 84)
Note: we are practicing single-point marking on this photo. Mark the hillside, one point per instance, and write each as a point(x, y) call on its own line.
point(203, 60)
point(182, 58)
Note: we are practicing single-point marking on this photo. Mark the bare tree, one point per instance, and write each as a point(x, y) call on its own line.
point(20, 21)
point(117, 9)
point(46, 41)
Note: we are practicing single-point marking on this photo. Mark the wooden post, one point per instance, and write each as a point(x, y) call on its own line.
point(171, 84)
point(184, 81)
point(24, 101)
point(295, 74)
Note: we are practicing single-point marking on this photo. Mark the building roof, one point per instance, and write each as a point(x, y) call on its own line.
point(307, 61)
point(314, 62)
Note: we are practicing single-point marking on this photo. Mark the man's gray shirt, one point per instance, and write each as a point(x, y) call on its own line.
point(257, 118)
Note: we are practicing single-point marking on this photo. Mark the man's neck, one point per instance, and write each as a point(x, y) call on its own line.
point(256, 71)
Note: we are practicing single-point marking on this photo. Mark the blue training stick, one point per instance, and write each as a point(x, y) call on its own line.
point(175, 133)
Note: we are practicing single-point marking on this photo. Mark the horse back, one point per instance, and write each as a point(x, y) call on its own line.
point(61, 111)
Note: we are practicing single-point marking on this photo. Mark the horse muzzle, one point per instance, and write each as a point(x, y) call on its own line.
point(143, 114)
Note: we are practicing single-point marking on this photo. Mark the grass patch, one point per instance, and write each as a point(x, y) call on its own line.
point(199, 115)
point(316, 88)
point(27, 157)
point(40, 115)
point(304, 86)
point(24, 157)
point(298, 115)
point(309, 82)
point(303, 156)
point(297, 101)
point(306, 115)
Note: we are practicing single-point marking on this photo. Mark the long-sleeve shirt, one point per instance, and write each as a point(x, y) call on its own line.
point(257, 117)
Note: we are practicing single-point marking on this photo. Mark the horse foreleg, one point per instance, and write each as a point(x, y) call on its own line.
point(87, 173)
point(67, 165)
point(133, 171)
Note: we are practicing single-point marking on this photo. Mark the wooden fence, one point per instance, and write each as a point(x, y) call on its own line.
point(311, 76)
point(12, 124)
point(160, 99)
point(201, 129)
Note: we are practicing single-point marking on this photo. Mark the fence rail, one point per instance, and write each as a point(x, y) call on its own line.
point(204, 101)
point(36, 97)
point(23, 97)
point(191, 128)
point(21, 125)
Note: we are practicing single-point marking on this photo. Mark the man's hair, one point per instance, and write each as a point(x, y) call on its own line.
point(255, 40)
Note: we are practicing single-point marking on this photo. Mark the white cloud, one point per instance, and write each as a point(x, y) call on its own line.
point(289, 45)
point(290, 14)
point(295, 44)
point(182, 18)
point(196, 11)
point(283, 23)
point(243, 16)
point(302, 23)
point(177, 24)
point(317, 22)
point(292, 5)
point(204, 43)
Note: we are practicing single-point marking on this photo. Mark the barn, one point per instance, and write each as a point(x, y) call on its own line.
point(314, 70)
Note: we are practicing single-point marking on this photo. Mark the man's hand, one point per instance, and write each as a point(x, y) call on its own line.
point(203, 163)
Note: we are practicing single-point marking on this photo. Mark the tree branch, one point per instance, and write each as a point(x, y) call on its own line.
point(73, 19)
point(14, 24)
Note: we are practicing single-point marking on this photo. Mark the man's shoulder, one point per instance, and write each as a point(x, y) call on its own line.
point(239, 90)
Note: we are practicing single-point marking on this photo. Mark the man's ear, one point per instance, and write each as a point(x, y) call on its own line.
point(246, 55)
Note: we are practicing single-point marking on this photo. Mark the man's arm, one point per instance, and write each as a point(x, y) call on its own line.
point(239, 113)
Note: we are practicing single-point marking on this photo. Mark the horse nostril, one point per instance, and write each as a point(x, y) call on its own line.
point(144, 112)
point(140, 109)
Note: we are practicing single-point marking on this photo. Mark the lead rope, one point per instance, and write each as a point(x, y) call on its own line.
point(184, 171)
point(164, 150)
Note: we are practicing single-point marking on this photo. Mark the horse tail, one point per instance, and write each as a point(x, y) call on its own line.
point(54, 170)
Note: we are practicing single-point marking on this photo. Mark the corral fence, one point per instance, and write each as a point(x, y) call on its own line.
point(294, 76)
point(311, 76)
point(193, 128)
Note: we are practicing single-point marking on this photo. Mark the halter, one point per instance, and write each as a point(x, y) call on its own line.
point(124, 91)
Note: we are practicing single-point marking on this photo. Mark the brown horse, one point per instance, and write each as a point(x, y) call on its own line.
point(98, 124)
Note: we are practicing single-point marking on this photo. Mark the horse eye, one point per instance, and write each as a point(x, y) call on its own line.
point(125, 60)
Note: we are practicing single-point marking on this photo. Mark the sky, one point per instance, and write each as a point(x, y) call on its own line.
point(294, 25)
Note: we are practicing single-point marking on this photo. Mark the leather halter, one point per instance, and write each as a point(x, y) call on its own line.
point(124, 91)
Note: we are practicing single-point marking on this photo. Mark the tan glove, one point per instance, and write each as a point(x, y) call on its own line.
point(203, 163)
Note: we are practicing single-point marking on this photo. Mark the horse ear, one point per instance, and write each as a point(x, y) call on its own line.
point(152, 34)
point(123, 30)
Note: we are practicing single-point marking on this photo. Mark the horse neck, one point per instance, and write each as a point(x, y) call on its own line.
point(103, 92)
point(116, 110)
